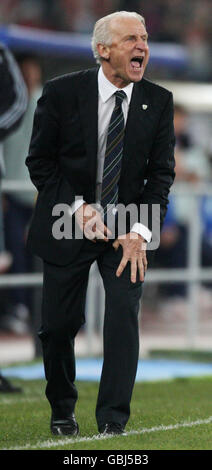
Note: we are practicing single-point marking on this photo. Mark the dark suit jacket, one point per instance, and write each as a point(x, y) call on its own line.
point(62, 158)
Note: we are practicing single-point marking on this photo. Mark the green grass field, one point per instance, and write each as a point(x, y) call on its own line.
point(174, 415)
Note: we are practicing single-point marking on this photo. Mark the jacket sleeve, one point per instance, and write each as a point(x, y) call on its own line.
point(160, 171)
point(13, 93)
point(42, 160)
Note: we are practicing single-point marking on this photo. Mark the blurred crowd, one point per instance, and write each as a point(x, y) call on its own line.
point(16, 304)
point(167, 20)
point(193, 167)
point(172, 21)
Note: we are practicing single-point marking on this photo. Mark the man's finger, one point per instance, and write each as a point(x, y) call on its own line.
point(145, 262)
point(141, 268)
point(89, 224)
point(100, 235)
point(88, 232)
point(90, 236)
point(116, 244)
point(133, 269)
point(142, 255)
point(102, 227)
point(121, 266)
point(107, 231)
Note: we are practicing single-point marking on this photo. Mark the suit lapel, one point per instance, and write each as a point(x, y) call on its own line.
point(135, 116)
point(88, 98)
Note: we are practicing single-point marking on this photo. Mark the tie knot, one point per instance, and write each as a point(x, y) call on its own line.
point(120, 95)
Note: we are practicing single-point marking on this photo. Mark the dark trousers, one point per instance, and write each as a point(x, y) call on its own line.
point(64, 293)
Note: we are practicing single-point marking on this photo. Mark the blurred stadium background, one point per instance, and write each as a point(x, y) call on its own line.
point(52, 37)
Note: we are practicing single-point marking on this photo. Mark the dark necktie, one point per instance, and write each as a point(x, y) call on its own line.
point(113, 154)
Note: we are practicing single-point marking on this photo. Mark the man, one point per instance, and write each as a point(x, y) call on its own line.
point(19, 205)
point(72, 156)
point(13, 103)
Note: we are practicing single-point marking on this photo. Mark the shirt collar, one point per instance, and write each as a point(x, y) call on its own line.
point(107, 89)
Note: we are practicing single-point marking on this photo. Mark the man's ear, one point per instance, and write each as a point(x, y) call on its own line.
point(104, 51)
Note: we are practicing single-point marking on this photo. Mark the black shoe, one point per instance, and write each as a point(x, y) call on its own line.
point(7, 387)
point(111, 428)
point(65, 427)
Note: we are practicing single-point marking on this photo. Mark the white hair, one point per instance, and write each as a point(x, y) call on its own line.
point(102, 33)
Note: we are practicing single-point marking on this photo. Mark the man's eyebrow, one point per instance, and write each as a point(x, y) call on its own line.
point(144, 35)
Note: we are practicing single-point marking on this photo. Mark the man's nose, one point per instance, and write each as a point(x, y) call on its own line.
point(142, 45)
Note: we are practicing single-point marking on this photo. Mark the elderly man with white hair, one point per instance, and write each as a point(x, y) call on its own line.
point(102, 138)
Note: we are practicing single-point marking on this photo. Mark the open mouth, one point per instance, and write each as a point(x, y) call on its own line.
point(136, 62)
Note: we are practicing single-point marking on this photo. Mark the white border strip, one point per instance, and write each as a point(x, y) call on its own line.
point(61, 442)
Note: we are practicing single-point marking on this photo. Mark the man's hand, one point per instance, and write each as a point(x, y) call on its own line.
point(90, 222)
point(134, 250)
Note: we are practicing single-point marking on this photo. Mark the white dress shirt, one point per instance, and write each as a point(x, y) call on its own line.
point(106, 103)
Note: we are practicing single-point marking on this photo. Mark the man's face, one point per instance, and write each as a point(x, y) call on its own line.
point(128, 55)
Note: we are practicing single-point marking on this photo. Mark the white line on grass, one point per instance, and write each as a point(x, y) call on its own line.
point(11, 401)
point(60, 442)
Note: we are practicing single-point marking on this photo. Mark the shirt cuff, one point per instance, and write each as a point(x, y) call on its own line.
point(76, 205)
point(142, 230)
